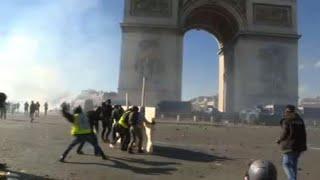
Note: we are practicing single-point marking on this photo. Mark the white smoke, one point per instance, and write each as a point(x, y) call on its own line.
point(41, 36)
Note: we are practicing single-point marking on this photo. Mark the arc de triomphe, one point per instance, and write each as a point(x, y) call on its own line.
point(258, 58)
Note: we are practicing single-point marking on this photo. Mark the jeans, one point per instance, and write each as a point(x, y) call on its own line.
point(290, 164)
point(79, 139)
point(136, 133)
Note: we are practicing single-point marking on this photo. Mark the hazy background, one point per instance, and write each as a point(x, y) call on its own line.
point(52, 49)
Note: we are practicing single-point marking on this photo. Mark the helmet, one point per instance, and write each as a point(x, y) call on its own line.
point(262, 170)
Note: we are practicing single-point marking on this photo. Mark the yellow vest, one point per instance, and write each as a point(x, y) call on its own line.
point(122, 122)
point(80, 125)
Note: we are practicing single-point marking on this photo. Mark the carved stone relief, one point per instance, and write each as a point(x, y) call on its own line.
point(274, 61)
point(151, 8)
point(273, 15)
point(148, 61)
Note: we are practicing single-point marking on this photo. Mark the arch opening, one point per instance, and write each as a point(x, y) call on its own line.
point(214, 19)
point(200, 50)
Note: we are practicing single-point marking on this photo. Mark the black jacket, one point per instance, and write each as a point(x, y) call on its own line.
point(133, 118)
point(3, 98)
point(293, 136)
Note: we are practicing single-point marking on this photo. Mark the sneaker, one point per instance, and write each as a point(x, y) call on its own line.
point(130, 151)
point(111, 146)
point(62, 159)
point(141, 151)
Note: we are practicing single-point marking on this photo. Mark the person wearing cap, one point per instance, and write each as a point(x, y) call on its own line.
point(261, 170)
point(293, 141)
point(81, 130)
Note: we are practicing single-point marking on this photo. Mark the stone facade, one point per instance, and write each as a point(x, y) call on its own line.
point(258, 60)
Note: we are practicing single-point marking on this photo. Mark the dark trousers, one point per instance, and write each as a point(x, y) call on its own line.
point(32, 116)
point(114, 133)
point(106, 124)
point(135, 133)
point(80, 147)
point(3, 113)
point(79, 139)
point(125, 137)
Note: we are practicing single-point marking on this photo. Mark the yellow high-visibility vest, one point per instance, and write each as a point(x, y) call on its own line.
point(122, 122)
point(80, 125)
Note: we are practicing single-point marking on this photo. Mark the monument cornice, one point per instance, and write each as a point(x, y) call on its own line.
point(292, 36)
point(239, 5)
point(130, 27)
point(255, 34)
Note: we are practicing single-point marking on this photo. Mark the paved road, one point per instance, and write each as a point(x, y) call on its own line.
point(181, 152)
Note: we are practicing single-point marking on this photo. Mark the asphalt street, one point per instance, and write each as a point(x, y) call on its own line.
point(187, 152)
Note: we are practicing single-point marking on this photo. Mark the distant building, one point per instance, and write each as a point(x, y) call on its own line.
point(310, 102)
point(203, 103)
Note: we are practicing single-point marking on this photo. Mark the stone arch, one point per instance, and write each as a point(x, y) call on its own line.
point(238, 12)
point(243, 29)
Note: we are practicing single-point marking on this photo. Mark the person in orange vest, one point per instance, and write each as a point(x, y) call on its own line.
point(81, 131)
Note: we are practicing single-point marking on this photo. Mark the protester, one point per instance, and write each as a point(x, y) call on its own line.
point(123, 129)
point(293, 141)
point(46, 106)
point(37, 109)
point(115, 117)
point(135, 130)
point(3, 109)
point(33, 109)
point(106, 120)
point(93, 117)
point(26, 108)
point(81, 131)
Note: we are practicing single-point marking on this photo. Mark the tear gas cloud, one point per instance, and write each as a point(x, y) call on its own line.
point(50, 50)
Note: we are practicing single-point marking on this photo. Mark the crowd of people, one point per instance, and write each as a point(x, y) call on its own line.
point(33, 110)
point(117, 124)
point(127, 126)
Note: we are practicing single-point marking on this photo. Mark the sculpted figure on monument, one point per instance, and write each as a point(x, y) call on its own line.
point(148, 60)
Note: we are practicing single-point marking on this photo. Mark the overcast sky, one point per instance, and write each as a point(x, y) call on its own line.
point(55, 48)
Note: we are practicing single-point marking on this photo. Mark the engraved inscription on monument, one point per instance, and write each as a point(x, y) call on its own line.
point(151, 8)
point(272, 15)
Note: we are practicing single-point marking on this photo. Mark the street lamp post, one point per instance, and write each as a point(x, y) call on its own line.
point(144, 79)
point(143, 91)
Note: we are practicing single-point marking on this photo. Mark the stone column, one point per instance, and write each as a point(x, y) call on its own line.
point(265, 70)
point(155, 53)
